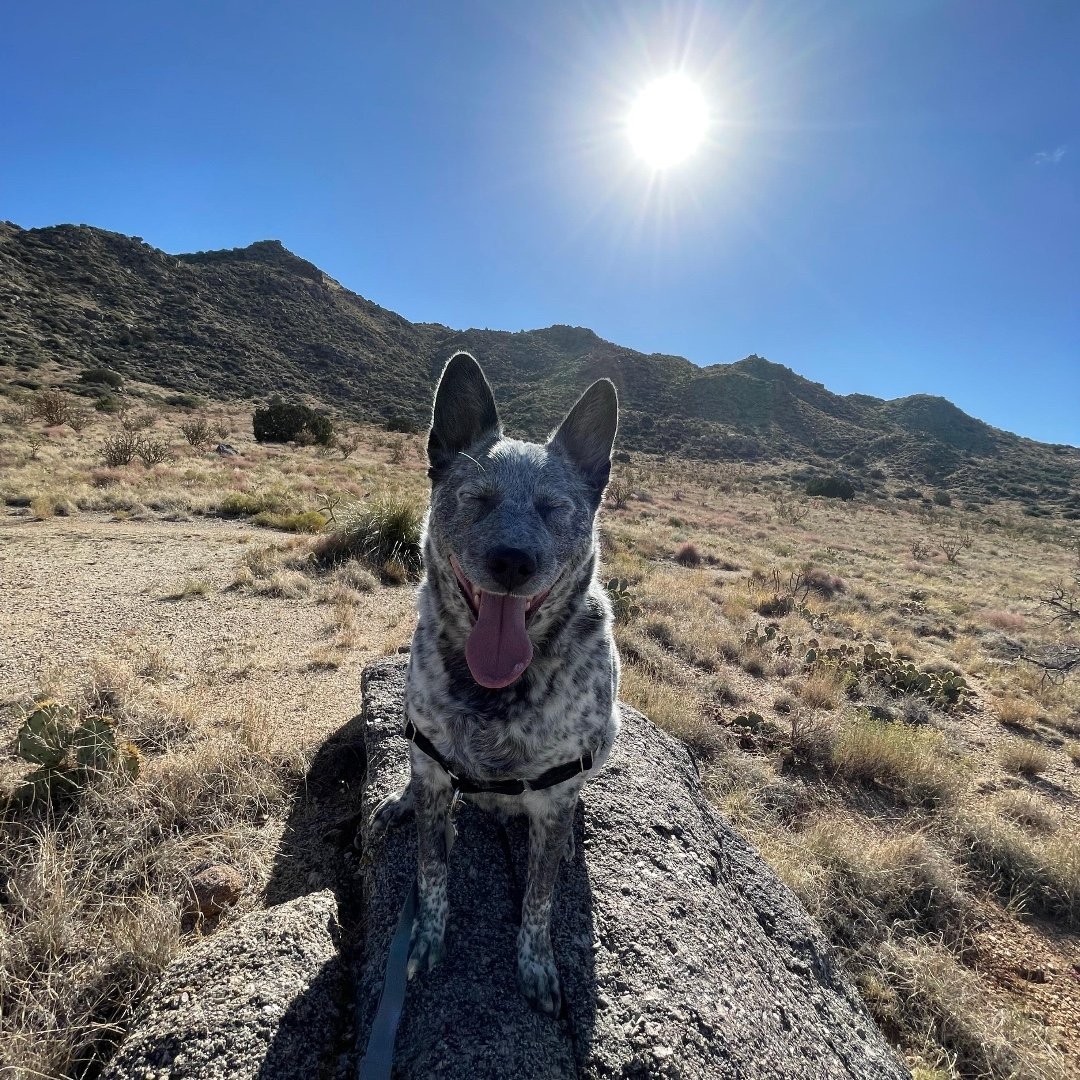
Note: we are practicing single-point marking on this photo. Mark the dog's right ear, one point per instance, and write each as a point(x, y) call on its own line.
point(464, 412)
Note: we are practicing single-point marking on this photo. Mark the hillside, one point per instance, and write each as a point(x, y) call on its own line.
point(259, 320)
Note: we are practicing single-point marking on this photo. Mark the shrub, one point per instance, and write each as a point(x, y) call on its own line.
point(120, 449)
point(196, 431)
point(942, 498)
point(101, 376)
point(908, 493)
point(108, 404)
point(405, 424)
point(383, 533)
point(284, 421)
point(1043, 869)
point(139, 421)
point(831, 487)
point(688, 555)
point(243, 504)
point(152, 451)
point(182, 401)
point(1023, 757)
point(52, 406)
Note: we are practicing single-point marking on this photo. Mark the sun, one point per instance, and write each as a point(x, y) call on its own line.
point(668, 121)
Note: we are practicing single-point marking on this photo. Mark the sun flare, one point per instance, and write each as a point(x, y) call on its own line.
point(668, 120)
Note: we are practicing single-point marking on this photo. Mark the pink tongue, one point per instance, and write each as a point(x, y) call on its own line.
point(499, 649)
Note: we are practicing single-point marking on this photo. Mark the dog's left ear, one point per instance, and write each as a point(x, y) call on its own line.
point(588, 433)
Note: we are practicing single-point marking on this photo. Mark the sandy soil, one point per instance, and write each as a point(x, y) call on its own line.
point(79, 590)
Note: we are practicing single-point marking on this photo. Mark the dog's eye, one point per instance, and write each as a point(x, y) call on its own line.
point(476, 499)
point(548, 508)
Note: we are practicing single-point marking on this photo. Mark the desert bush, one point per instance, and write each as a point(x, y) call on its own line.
point(108, 404)
point(1004, 620)
point(831, 487)
point(822, 582)
point(283, 421)
point(618, 493)
point(383, 533)
point(347, 443)
point(101, 376)
point(138, 421)
point(119, 449)
point(151, 451)
point(790, 511)
point(938, 1002)
point(688, 554)
point(197, 431)
point(79, 419)
point(823, 688)
point(1042, 870)
point(399, 448)
point(53, 407)
point(952, 544)
point(243, 504)
point(941, 498)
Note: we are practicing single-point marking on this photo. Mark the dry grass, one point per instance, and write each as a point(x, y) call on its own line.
point(912, 762)
point(823, 688)
point(945, 1005)
point(96, 895)
point(1023, 757)
point(1036, 869)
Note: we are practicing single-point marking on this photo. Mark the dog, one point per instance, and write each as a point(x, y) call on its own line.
point(513, 673)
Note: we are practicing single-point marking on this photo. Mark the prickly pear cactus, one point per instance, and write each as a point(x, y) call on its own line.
point(622, 599)
point(68, 751)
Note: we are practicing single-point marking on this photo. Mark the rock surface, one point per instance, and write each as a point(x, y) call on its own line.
point(215, 888)
point(242, 1003)
point(681, 954)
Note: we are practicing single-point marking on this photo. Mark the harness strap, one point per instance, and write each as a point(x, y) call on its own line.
point(557, 775)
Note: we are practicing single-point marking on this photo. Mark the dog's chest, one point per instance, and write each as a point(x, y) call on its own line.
point(549, 717)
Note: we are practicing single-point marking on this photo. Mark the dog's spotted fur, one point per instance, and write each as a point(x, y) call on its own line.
point(490, 492)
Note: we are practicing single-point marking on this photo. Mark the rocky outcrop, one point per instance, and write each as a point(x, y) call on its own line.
point(680, 952)
point(241, 1005)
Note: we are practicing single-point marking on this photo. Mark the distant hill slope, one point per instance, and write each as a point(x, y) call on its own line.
point(258, 320)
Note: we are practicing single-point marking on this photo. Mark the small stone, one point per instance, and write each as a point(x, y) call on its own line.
point(216, 888)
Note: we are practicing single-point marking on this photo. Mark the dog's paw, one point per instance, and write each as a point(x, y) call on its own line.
point(538, 979)
point(427, 948)
point(393, 811)
point(570, 850)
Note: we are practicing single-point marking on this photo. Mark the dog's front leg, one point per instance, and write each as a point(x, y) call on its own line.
point(550, 824)
point(431, 800)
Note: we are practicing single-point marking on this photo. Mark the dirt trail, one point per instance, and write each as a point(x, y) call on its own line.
point(77, 590)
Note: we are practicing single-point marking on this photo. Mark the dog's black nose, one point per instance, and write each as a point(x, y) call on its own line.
point(510, 567)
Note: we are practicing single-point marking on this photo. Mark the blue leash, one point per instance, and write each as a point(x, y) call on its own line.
point(379, 1056)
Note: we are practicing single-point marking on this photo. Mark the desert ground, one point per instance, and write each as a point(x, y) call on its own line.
point(858, 680)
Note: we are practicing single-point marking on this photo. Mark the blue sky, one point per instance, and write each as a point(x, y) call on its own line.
point(887, 202)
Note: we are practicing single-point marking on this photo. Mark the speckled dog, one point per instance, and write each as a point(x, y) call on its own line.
point(513, 672)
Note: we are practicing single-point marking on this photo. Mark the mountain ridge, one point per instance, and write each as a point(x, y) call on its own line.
point(257, 320)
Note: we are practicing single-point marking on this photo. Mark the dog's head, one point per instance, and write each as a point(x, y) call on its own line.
point(510, 520)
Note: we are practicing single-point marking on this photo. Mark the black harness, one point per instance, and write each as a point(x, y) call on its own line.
point(557, 775)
